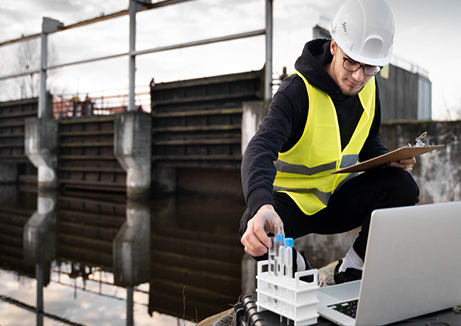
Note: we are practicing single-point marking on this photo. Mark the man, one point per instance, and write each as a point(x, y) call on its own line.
point(324, 117)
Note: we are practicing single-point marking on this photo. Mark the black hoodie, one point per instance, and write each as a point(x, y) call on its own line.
point(283, 126)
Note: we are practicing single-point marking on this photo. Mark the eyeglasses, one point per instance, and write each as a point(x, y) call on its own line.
point(352, 66)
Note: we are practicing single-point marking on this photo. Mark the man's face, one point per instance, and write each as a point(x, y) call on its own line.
point(350, 83)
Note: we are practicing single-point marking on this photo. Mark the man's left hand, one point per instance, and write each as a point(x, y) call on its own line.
point(406, 164)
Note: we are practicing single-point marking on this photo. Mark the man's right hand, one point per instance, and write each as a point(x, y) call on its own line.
point(255, 239)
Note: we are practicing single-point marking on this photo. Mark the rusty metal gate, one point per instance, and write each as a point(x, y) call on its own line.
point(13, 219)
point(12, 121)
point(197, 123)
point(86, 228)
point(86, 155)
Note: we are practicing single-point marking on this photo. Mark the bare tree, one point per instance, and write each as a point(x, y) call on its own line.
point(7, 89)
point(2, 72)
point(28, 59)
point(452, 111)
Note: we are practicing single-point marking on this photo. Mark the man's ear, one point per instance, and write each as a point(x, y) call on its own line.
point(333, 47)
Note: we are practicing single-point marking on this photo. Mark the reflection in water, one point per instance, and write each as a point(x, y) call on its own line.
point(89, 259)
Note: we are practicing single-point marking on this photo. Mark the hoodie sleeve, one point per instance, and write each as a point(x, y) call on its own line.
point(275, 134)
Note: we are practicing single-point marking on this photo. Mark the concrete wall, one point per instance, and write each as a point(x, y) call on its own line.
point(438, 173)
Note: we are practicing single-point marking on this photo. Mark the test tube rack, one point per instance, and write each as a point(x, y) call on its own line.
point(292, 298)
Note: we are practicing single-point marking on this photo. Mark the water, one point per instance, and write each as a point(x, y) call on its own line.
point(94, 259)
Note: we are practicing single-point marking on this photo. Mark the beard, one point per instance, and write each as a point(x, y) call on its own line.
point(348, 90)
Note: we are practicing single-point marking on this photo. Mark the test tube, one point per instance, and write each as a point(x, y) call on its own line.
point(271, 264)
point(279, 231)
point(281, 261)
point(289, 256)
point(271, 256)
point(279, 237)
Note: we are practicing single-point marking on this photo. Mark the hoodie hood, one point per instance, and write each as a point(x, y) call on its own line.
point(316, 54)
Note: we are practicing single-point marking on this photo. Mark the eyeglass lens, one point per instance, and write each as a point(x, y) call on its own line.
point(352, 66)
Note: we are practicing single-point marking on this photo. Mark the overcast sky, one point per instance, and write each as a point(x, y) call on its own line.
point(426, 35)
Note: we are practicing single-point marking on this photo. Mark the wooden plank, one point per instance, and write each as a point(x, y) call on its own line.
point(19, 135)
point(16, 123)
point(86, 120)
point(22, 114)
point(204, 141)
point(206, 81)
point(210, 98)
point(196, 128)
point(92, 183)
point(88, 157)
point(197, 158)
point(92, 144)
point(196, 113)
point(85, 133)
point(92, 169)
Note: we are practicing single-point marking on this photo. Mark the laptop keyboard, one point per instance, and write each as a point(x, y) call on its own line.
point(348, 308)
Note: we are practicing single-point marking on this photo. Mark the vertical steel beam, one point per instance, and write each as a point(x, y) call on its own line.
point(129, 306)
point(269, 37)
point(39, 276)
point(43, 59)
point(132, 56)
point(48, 26)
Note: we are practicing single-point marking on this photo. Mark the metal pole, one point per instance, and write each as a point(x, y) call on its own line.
point(146, 51)
point(43, 59)
point(203, 42)
point(129, 306)
point(39, 276)
point(48, 26)
point(147, 6)
point(269, 29)
point(132, 56)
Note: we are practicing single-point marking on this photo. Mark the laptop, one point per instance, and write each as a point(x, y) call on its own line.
point(412, 267)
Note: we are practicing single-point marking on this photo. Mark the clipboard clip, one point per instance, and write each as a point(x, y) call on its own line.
point(420, 141)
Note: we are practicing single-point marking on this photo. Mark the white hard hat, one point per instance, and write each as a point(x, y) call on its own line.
point(364, 30)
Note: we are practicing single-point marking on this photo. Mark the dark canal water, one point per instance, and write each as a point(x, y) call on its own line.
point(96, 259)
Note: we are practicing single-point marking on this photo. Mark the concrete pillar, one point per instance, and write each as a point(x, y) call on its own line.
point(131, 248)
point(253, 114)
point(39, 236)
point(39, 242)
point(41, 146)
point(132, 147)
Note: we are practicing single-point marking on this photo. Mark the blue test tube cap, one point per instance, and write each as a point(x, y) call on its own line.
point(288, 242)
point(279, 237)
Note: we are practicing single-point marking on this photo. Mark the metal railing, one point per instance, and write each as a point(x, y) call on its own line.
point(50, 26)
point(98, 103)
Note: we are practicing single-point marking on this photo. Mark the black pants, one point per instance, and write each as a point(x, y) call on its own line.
point(349, 207)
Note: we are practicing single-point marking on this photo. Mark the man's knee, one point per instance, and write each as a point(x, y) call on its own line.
point(402, 185)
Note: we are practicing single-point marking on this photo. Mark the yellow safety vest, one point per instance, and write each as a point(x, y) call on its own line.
point(303, 172)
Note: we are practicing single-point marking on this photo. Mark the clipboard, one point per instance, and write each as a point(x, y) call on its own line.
point(393, 156)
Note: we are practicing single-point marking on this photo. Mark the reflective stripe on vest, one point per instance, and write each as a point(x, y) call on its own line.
point(303, 172)
point(324, 197)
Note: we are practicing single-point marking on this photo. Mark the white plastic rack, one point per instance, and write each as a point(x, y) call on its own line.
point(292, 298)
